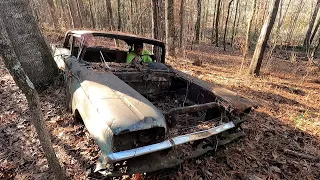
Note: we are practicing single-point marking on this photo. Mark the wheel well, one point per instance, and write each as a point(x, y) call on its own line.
point(77, 117)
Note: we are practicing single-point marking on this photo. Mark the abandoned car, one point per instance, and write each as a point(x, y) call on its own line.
point(144, 117)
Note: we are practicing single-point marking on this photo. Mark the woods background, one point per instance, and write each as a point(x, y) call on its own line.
point(190, 18)
point(214, 31)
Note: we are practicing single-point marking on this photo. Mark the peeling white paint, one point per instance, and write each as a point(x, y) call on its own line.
point(30, 84)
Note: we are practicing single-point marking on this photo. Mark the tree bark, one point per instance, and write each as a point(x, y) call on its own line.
point(171, 29)
point(198, 22)
point(226, 26)
point(246, 46)
point(294, 21)
point(11, 60)
point(306, 42)
point(53, 14)
point(158, 20)
point(63, 14)
point(256, 61)
point(217, 23)
point(79, 13)
point(315, 30)
point(119, 16)
point(213, 21)
point(234, 22)
point(110, 15)
point(25, 36)
point(182, 14)
point(91, 14)
point(71, 14)
point(282, 17)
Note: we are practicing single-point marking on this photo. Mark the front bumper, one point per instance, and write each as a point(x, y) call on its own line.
point(170, 143)
point(169, 153)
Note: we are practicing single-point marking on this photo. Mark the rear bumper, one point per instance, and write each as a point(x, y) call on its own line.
point(170, 143)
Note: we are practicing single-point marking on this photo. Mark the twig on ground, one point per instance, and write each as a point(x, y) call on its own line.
point(301, 155)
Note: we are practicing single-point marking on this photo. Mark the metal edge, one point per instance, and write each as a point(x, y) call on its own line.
point(124, 155)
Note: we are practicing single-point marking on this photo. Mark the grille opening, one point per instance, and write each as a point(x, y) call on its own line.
point(138, 139)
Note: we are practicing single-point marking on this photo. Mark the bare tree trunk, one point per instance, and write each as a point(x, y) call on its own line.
point(315, 30)
point(158, 19)
point(256, 61)
point(244, 11)
point(119, 16)
point(14, 12)
point(79, 13)
point(204, 24)
point(238, 21)
point(213, 21)
point(226, 26)
point(217, 22)
point(33, 52)
point(91, 14)
point(63, 14)
point(294, 21)
point(110, 15)
point(265, 10)
point(71, 14)
point(198, 22)
point(306, 42)
point(182, 14)
point(256, 18)
point(282, 17)
point(246, 46)
point(53, 14)
point(234, 22)
point(171, 29)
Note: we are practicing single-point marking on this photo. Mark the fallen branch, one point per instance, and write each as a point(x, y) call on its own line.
point(301, 155)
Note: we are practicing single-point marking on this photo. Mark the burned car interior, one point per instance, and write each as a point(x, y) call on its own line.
point(154, 118)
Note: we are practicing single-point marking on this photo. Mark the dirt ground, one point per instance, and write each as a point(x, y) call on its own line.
point(288, 119)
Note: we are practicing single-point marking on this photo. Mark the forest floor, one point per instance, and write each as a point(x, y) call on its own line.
point(288, 118)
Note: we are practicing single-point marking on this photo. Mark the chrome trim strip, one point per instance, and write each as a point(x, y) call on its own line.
point(123, 155)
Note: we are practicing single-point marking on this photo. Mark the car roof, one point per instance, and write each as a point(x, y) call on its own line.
point(128, 38)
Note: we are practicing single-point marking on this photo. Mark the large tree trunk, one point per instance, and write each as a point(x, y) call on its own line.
point(256, 61)
point(182, 14)
point(198, 22)
point(306, 41)
point(226, 26)
point(11, 59)
point(110, 15)
point(171, 29)
point(26, 37)
point(217, 22)
point(158, 20)
point(246, 45)
point(119, 16)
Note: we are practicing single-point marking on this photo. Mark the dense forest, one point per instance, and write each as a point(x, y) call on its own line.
point(267, 51)
point(229, 24)
point(207, 19)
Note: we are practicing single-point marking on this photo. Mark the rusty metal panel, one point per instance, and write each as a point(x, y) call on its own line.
point(236, 102)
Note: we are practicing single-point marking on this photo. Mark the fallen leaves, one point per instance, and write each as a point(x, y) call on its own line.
point(257, 156)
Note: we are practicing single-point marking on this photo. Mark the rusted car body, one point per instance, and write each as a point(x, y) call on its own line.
point(144, 119)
